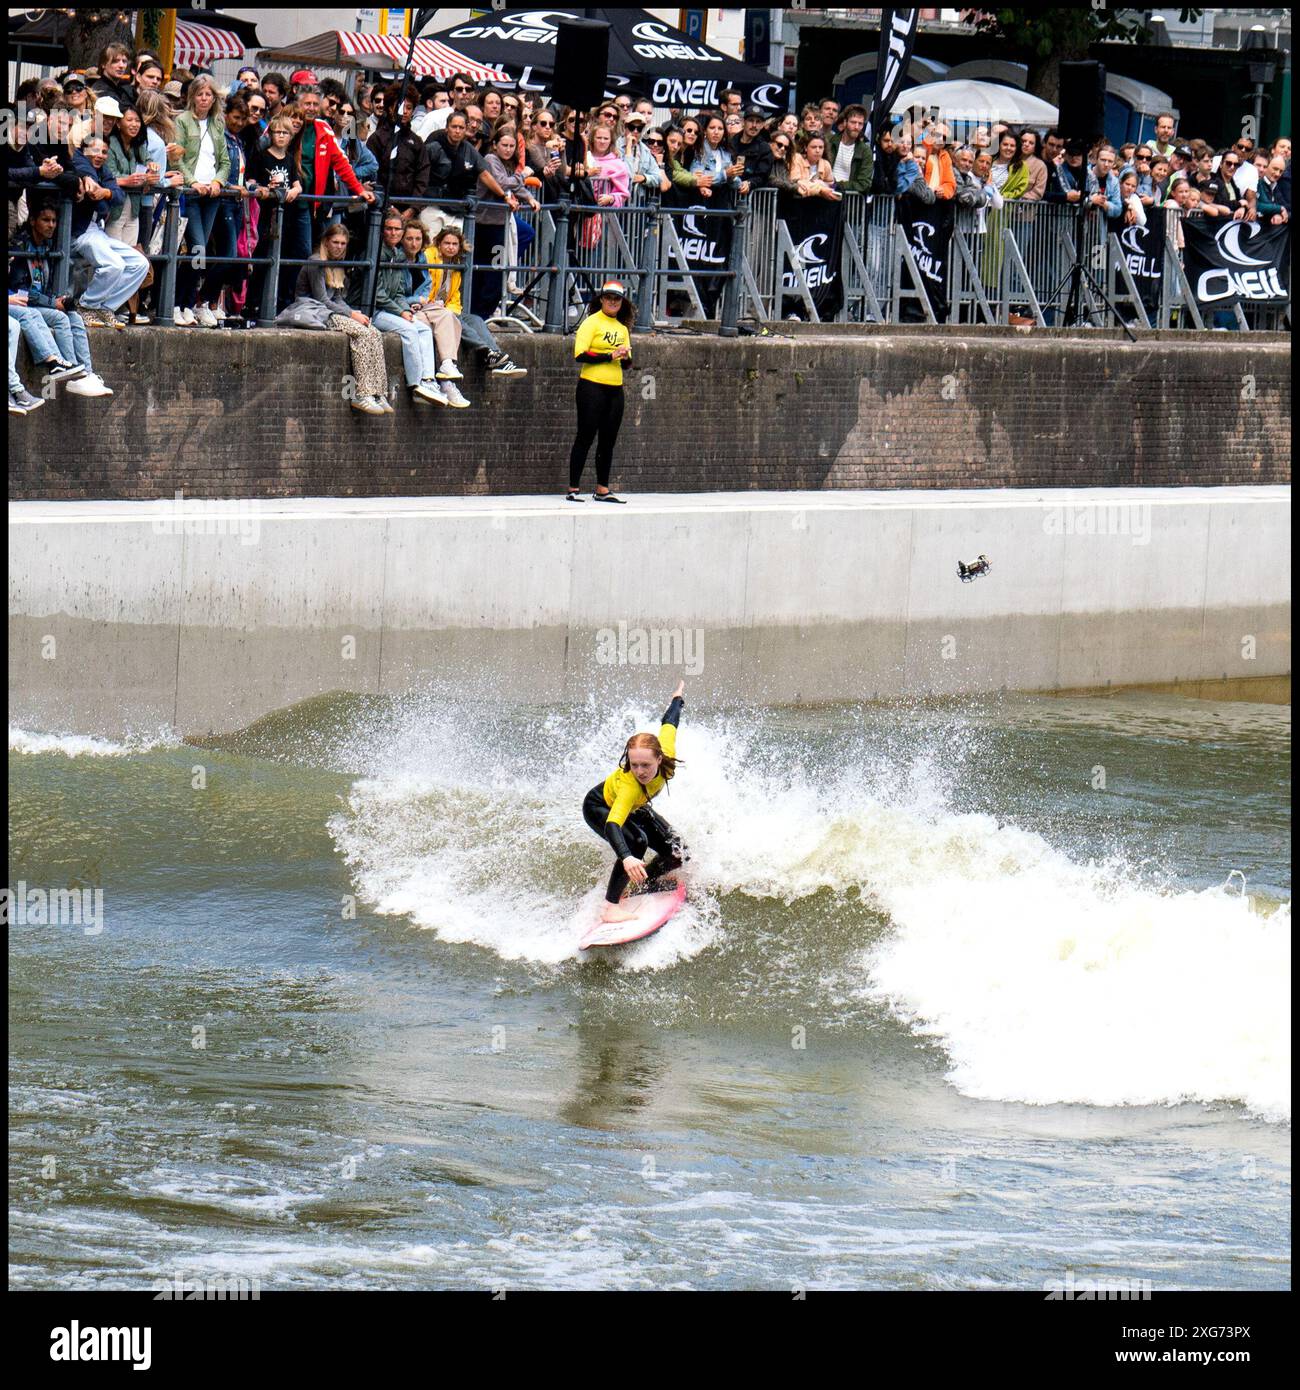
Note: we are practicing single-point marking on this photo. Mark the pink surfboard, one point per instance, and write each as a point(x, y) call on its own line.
point(652, 911)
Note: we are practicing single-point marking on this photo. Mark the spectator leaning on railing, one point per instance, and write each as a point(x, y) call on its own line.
point(849, 153)
point(752, 148)
point(714, 168)
point(320, 303)
point(322, 159)
point(642, 167)
point(810, 170)
point(205, 163)
point(491, 218)
point(52, 325)
point(118, 270)
point(1269, 206)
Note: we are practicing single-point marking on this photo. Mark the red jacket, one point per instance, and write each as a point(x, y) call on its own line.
point(330, 157)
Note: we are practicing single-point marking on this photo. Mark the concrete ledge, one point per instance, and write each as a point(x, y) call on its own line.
point(171, 616)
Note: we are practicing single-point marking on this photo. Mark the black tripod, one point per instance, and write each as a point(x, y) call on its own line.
point(1076, 274)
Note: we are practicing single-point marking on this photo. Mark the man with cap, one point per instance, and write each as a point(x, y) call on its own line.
point(642, 165)
point(174, 93)
point(751, 146)
point(304, 77)
point(849, 154)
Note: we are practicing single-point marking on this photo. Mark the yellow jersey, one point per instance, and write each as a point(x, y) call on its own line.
point(598, 333)
point(623, 793)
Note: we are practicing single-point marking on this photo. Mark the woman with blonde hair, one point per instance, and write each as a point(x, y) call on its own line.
point(619, 811)
point(205, 162)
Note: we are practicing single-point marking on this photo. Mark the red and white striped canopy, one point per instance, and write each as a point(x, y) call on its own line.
point(432, 59)
point(200, 43)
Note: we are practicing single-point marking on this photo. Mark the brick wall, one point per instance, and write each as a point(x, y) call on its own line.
point(261, 413)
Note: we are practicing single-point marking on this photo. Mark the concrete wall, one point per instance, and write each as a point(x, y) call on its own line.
point(261, 414)
point(795, 597)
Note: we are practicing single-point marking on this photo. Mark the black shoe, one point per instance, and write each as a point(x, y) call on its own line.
point(609, 497)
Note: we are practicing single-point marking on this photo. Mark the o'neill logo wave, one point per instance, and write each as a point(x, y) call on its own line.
point(1141, 265)
point(1256, 279)
point(697, 245)
point(524, 26)
point(769, 95)
point(1229, 242)
point(654, 41)
point(811, 252)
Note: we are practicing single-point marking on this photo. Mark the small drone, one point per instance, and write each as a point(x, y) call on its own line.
point(966, 573)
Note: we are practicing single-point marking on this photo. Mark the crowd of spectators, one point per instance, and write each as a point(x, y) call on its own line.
point(287, 154)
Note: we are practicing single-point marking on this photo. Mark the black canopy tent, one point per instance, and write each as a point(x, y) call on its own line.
point(645, 55)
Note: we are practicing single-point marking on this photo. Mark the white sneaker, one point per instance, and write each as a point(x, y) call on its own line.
point(386, 405)
point(219, 314)
point(452, 392)
point(449, 371)
point(429, 391)
point(204, 317)
point(179, 319)
point(368, 405)
point(90, 385)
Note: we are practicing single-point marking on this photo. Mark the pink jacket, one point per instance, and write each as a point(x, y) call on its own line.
point(614, 171)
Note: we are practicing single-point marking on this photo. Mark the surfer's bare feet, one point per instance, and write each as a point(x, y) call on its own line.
point(611, 912)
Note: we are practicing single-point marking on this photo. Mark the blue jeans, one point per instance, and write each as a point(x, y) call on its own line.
point(295, 244)
point(40, 341)
point(419, 359)
point(477, 334)
point(15, 337)
point(119, 269)
point(69, 330)
point(202, 213)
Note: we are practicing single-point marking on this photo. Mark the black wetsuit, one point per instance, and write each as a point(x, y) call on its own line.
point(642, 831)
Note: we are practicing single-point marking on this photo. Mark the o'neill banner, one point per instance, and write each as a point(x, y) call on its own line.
point(897, 40)
point(1238, 263)
point(928, 228)
point(1143, 249)
point(706, 244)
point(645, 55)
point(816, 226)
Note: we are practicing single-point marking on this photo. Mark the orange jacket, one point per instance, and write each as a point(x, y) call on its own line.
point(947, 185)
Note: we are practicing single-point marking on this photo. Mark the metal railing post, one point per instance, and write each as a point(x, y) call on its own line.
point(63, 266)
point(467, 275)
point(731, 290)
point(374, 236)
point(171, 243)
point(271, 285)
point(557, 296)
point(649, 263)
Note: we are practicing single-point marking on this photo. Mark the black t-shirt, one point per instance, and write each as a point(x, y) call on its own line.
point(264, 163)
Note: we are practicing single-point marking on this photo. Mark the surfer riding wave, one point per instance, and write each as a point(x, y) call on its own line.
point(619, 811)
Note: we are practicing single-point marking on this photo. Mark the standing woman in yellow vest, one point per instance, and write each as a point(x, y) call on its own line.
point(603, 346)
point(619, 811)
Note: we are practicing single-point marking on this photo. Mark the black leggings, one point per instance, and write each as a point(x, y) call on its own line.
point(643, 830)
point(600, 412)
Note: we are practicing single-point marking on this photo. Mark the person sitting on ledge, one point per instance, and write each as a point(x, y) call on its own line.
point(447, 248)
point(394, 313)
point(319, 303)
point(64, 340)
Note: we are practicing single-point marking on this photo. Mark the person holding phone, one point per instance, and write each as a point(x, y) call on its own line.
point(604, 346)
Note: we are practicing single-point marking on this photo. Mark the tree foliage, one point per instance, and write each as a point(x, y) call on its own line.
point(1044, 38)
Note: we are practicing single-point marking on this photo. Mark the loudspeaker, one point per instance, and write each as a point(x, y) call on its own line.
point(581, 62)
point(1083, 101)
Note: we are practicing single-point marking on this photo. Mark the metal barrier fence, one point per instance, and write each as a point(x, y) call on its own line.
point(1010, 263)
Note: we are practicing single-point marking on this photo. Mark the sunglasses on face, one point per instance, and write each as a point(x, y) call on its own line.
point(543, 120)
point(462, 90)
point(655, 144)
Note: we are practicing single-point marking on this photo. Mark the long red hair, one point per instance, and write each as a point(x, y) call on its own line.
point(667, 765)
